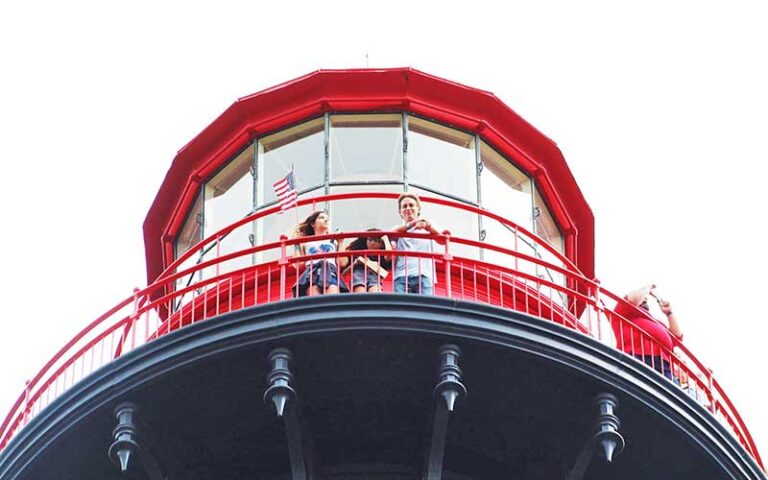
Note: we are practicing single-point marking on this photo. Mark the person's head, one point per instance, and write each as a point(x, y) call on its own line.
point(409, 206)
point(374, 242)
point(317, 223)
point(369, 242)
point(644, 305)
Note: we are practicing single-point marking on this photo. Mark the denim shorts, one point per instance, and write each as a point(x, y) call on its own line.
point(416, 284)
point(365, 277)
point(322, 274)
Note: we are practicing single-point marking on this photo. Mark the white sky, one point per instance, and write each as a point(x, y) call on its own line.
point(660, 108)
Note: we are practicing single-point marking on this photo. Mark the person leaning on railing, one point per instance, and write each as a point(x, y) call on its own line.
point(413, 274)
point(320, 275)
point(368, 271)
point(645, 337)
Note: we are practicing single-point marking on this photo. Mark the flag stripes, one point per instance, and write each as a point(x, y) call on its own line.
point(285, 189)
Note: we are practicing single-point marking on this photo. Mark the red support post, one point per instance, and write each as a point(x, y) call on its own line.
point(25, 418)
point(710, 391)
point(598, 309)
point(283, 262)
point(448, 260)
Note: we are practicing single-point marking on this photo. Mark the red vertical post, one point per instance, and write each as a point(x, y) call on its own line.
point(135, 313)
point(710, 391)
point(598, 310)
point(517, 266)
point(448, 260)
point(218, 272)
point(218, 254)
point(25, 418)
point(283, 263)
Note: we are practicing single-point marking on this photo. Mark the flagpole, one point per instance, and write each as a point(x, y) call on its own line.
point(295, 205)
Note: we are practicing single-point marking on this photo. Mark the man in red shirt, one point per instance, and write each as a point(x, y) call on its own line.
point(645, 337)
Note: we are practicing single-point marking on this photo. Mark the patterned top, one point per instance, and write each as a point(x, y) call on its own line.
point(320, 246)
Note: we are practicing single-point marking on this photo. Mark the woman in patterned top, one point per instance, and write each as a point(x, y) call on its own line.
point(320, 275)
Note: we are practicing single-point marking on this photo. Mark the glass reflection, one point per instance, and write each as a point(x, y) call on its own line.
point(546, 227)
point(365, 148)
point(363, 213)
point(269, 228)
point(192, 231)
point(300, 148)
point(441, 158)
point(228, 198)
point(460, 223)
point(506, 191)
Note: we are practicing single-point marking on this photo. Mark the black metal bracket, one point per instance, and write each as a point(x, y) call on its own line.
point(447, 391)
point(281, 395)
point(606, 442)
point(127, 448)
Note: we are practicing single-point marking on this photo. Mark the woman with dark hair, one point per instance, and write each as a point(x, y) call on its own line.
point(320, 275)
point(369, 270)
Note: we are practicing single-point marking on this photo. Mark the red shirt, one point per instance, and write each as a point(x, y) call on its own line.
point(654, 339)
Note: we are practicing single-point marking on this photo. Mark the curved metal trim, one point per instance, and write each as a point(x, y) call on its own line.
point(434, 316)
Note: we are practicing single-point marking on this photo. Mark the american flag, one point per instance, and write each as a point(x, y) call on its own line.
point(285, 189)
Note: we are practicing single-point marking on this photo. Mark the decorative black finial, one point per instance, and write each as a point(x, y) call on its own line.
point(449, 385)
point(608, 441)
point(279, 378)
point(126, 435)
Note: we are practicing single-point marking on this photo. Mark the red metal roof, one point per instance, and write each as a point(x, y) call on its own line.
point(357, 90)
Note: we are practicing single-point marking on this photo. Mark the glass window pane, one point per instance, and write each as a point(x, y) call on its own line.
point(501, 235)
point(229, 194)
point(546, 227)
point(547, 230)
point(269, 229)
point(191, 233)
point(192, 230)
point(459, 222)
point(366, 148)
point(228, 198)
point(364, 213)
point(300, 147)
point(442, 159)
point(505, 191)
point(187, 280)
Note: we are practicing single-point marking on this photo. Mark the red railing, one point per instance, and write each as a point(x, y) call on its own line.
point(266, 273)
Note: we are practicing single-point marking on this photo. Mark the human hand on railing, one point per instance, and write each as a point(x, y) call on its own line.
point(420, 223)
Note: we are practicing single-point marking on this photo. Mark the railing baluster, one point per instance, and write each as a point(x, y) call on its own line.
point(448, 259)
point(711, 390)
point(256, 287)
point(501, 290)
point(164, 315)
point(26, 402)
point(599, 322)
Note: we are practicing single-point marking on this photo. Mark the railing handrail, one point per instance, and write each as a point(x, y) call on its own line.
point(199, 246)
point(31, 384)
point(146, 300)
